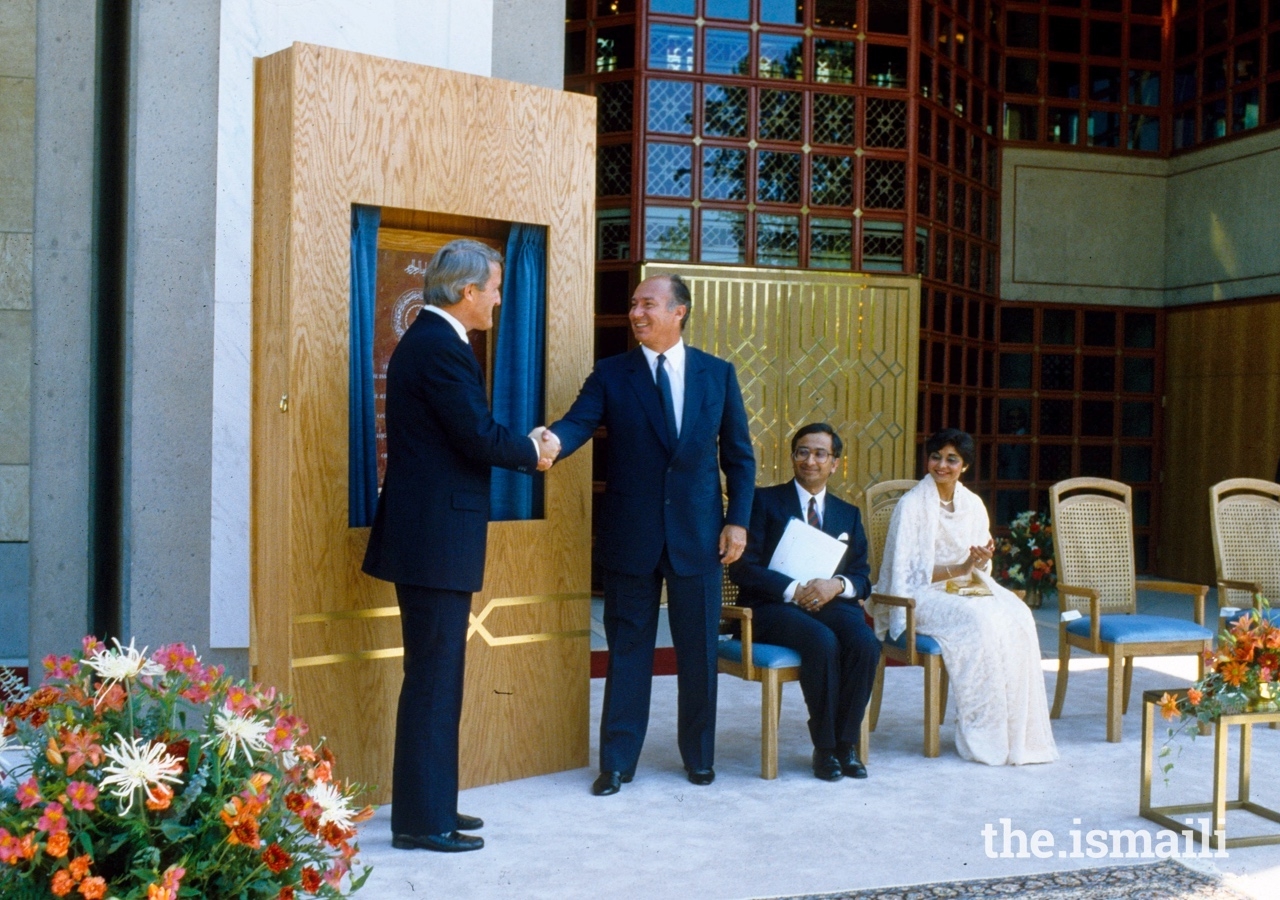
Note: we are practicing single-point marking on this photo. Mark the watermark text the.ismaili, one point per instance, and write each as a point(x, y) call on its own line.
point(1007, 842)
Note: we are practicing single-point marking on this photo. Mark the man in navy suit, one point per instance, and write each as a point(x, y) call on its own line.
point(821, 619)
point(430, 527)
point(675, 420)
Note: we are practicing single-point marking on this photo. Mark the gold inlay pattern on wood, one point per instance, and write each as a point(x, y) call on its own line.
point(813, 346)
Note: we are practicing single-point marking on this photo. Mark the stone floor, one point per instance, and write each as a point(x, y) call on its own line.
point(914, 820)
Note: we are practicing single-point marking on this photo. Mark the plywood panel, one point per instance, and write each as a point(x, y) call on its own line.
point(439, 151)
point(811, 346)
point(1222, 387)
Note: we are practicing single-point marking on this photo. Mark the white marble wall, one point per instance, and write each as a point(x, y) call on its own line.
point(452, 34)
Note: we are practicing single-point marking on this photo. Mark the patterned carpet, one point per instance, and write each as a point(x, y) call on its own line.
point(1165, 880)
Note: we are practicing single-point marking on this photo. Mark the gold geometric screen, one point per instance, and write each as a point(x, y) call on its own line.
point(815, 347)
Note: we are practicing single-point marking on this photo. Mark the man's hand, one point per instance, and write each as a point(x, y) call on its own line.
point(813, 595)
point(733, 540)
point(548, 447)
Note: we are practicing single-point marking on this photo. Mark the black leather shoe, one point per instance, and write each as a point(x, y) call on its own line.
point(849, 762)
point(609, 783)
point(826, 766)
point(469, 823)
point(701, 776)
point(446, 842)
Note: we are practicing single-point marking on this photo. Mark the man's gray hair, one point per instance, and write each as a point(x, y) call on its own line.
point(456, 265)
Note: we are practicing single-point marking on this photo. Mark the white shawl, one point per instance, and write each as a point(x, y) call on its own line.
point(907, 564)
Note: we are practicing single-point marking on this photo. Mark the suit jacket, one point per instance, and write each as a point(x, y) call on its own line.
point(433, 513)
point(664, 492)
point(773, 508)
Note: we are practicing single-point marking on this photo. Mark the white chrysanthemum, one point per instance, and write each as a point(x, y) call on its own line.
point(237, 732)
point(334, 806)
point(138, 765)
point(123, 663)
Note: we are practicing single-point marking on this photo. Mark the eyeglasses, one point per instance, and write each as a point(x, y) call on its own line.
point(804, 453)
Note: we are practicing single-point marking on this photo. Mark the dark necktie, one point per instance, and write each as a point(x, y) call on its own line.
point(668, 405)
point(813, 513)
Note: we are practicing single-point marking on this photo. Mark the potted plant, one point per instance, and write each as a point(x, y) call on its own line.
point(1024, 558)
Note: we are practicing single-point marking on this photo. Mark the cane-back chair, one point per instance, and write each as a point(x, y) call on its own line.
point(1244, 516)
point(771, 665)
point(1093, 546)
point(910, 648)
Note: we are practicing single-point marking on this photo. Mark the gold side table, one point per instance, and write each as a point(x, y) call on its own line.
point(1217, 809)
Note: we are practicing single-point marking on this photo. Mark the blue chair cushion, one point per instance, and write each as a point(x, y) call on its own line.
point(766, 656)
point(924, 643)
point(1137, 629)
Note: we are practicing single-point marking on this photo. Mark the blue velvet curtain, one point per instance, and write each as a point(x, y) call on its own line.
point(362, 462)
point(519, 368)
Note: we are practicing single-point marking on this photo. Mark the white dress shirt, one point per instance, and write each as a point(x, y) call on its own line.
point(675, 373)
point(821, 497)
point(462, 334)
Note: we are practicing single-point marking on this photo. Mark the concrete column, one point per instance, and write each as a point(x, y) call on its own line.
point(528, 41)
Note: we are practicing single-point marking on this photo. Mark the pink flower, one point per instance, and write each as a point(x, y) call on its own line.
point(92, 645)
point(241, 701)
point(53, 820)
point(282, 735)
point(60, 667)
point(82, 794)
point(29, 793)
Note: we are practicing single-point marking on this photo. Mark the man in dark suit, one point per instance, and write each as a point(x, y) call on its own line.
point(675, 420)
point(430, 526)
point(822, 618)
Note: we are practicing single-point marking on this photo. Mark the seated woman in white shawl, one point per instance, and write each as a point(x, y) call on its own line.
point(940, 534)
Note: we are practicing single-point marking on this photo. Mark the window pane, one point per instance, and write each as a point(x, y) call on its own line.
point(1019, 122)
point(729, 9)
point(1099, 328)
point(613, 170)
point(1055, 462)
point(1064, 80)
point(777, 177)
point(1095, 462)
point(724, 174)
point(1015, 416)
point(1021, 76)
point(1058, 327)
point(1013, 462)
point(1015, 372)
point(833, 61)
point(887, 16)
point(1135, 464)
point(1136, 420)
point(671, 48)
point(614, 100)
point(1063, 126)
point(1140, 330)
point(1213, 120)
point(830, 244)
point(724, 236)
point(777, 240)
point(1097, 418)
point(1144, 133)
point(727, 52)
point(884, 184)
point(1016, 325)
point(782, 12)
point(1244, 109)
point(670, 106)
point(781, 56)
point(1144, 87)
point(1144, 41)
point(1008, 505)
point(1139, 375)
point(1104, 129)
point(666, 233)
point(1104, 38)
point(882, 246)
point(886, 123)
point(832, 181)
point(1022, 29)
point(1057, 372)
point(1104, 83)
point(781, 116)
point(1055, 417)
point(668, 167)
point(613, 234)
point(615, 48)
point(1098, 373)
point(724, 111)
point(833, 14)
point(1064, 34)
point(886, 66)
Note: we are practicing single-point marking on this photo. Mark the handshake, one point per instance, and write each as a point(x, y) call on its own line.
point(548, 447)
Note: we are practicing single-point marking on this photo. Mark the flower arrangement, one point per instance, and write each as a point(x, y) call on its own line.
point(1241, 674)
point(1024, 559)
point(157, 778)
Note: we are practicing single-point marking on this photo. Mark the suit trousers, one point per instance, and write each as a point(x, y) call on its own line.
point(424, 785)
point(631, 624)
point(838, 657)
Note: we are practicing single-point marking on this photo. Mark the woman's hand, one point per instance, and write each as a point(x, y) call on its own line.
point(980, 557)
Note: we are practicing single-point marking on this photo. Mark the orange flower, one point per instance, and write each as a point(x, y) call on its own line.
point(79, 747)
point(58, 844)
point(310, 880)
point(286, 893)
point(1194, 696)
point(62, 883)
point(241, 820)
point(164, 796)
point(1168, 705)
point(1234, 673)
point(80, 867)
point(276, 858)
point(94, 888)
point(113, 699)
point(45, 696)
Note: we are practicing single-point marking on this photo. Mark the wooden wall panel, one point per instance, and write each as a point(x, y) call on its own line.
point(816, 346)
point(1222, 386)
point(432, 147)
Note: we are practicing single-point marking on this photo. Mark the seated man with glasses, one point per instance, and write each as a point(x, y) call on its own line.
point(821, 619)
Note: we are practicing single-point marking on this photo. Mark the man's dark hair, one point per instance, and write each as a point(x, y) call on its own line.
point(680, 296)
point(956, 438)
point(837, 445)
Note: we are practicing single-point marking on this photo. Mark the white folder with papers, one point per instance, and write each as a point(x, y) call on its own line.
point(805, 552)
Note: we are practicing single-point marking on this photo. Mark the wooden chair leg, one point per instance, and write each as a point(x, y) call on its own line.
point(1064, 669)
point(945, 685)
point(770, 691)
point(1128, 681)
point(877, 691)
point(1115, 677)
point(864, 740)
point(932, 688)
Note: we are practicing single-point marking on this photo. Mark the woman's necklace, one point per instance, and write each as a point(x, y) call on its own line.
point(948, 505)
